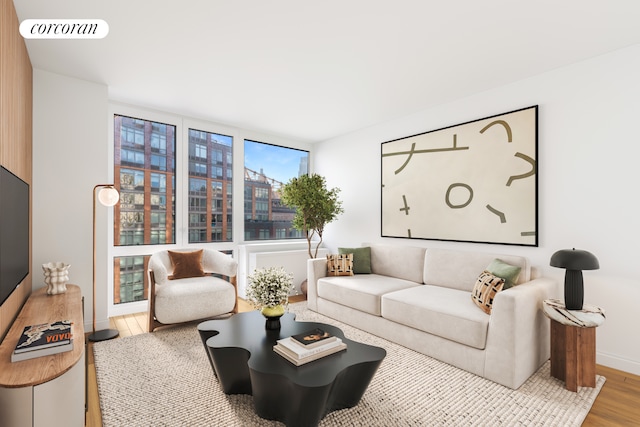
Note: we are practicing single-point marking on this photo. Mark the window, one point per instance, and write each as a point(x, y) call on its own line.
point(141, 151)
point(130, 278)
point(200, 194)
point(144, 159)
point(267, 167)
point(210, 154)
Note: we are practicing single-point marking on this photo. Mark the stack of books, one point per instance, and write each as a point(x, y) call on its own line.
point(309, 346)
point(43, 340)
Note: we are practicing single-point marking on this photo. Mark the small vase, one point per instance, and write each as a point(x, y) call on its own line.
point(273, 315)
point(56, 276)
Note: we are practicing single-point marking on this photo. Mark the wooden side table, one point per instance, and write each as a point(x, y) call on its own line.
point(573, 343)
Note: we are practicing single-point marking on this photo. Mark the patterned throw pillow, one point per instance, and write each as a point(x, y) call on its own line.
point(340, 265)
point(186, 264)
point(485, 290)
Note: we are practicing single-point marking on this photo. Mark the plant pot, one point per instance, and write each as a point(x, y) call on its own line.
point(273, 315)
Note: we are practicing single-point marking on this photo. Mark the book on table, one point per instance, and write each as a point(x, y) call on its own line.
point(314, 338)
point(43, 339)
point(297, 354)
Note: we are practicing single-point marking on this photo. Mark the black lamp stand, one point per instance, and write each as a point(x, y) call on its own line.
point(573, 290)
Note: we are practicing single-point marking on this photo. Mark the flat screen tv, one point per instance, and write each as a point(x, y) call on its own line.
point(14, 232)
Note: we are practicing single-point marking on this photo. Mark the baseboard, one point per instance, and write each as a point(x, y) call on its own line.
point(619, 363)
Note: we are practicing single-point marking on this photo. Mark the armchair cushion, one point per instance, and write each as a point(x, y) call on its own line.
point(193, 298)
point(186, 264)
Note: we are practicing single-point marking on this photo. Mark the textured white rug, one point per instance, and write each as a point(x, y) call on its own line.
point(165, 379)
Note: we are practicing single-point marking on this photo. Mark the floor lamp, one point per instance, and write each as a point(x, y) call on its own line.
point(108, 196)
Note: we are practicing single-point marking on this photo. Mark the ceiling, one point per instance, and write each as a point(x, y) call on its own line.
point(310, 71)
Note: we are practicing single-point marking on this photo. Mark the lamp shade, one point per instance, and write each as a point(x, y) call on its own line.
point(574, 259)
point(108, 196)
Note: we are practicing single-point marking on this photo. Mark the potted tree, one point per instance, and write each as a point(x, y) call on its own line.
point(315, 204)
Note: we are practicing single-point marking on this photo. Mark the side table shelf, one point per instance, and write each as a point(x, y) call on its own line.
point(49, 390)
point(573, 343)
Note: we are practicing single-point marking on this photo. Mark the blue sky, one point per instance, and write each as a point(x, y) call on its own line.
point(279, 163)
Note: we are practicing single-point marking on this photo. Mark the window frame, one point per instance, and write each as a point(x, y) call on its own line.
point(183, 124)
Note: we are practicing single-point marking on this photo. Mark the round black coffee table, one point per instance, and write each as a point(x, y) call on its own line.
point(240, 350)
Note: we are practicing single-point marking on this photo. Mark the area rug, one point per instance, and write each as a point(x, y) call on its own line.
point(165, 379)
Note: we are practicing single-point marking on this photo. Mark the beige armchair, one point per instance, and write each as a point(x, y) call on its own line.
point(187, 285)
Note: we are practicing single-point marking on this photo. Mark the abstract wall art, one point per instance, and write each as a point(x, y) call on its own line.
point(472, 182)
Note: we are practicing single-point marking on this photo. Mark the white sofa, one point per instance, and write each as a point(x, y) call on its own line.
point(421, 299)
point(188, 299)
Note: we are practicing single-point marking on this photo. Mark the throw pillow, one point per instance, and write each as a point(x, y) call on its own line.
point(361, 259)
point(485, 290)
point(340, 265)
point(186, 264)
point(508, 272)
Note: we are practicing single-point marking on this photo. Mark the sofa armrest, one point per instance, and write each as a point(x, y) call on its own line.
point(518, 338)
point(316, 269)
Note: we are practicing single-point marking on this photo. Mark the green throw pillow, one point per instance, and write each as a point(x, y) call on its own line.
point(508, 272)
point(361, 259)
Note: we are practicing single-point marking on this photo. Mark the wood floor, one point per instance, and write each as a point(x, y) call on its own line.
point(618, 403)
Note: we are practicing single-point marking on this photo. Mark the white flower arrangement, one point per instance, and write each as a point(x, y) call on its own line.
point(269, 287)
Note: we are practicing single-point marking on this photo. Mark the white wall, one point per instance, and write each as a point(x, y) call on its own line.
point(69, 158)
point(588, 181)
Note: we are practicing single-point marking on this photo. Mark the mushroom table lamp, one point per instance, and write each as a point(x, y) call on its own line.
point(574, 261)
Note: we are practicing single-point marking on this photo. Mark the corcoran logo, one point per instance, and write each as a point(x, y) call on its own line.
point(64, 29)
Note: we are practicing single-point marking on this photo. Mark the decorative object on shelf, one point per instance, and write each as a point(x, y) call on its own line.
point(574, 261)
point(56, 277)
point(43, 340)
point(108, 196)
point(316, 206)
point(268, 290)
point(476, 182)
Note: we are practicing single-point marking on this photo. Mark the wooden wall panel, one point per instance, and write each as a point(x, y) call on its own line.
point(16, 105)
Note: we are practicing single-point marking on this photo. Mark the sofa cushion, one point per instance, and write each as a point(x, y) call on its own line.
point(507, 271)
point(361, 259)
point(460, 269)
point(445, 312)
point(361, 292)
point(186, 264)
point(340, 265)
point(485, 290)
point(403, 262)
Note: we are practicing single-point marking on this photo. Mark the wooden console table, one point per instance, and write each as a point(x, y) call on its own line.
point(573, 343)
point(49, 390)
